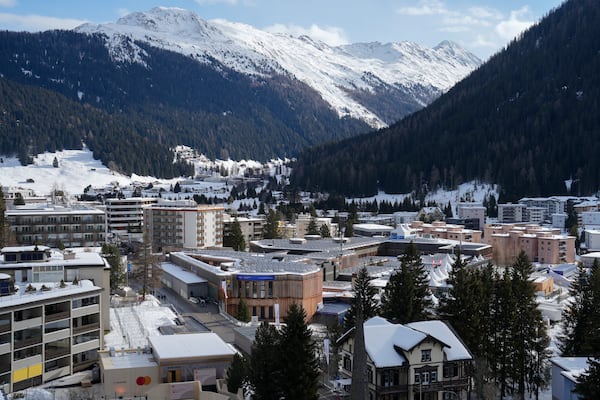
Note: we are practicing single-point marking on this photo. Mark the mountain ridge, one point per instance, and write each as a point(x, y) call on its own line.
point(251, 51)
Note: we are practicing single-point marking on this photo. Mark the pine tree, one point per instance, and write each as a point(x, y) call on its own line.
point(463, 305)
point(237, 373)
point(299, 363)
point(271, 227)
point(405, 298)
point(243, 313)
point(324, 231)
point(235, 238)
point(581, 327)
point(588, 383)
point(265, 369)
point(364, 297)
point(529, 358)
point(113, 256)
point(313, 228)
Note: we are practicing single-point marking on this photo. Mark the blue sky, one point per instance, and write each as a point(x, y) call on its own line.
point(481, 26)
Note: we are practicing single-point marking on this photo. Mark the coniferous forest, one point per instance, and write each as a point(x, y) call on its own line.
point(527, 119)
point(142, 110)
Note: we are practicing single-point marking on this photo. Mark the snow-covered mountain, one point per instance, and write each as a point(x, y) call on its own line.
point(347, 77)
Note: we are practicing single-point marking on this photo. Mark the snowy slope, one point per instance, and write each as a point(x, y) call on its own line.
point(334, 72)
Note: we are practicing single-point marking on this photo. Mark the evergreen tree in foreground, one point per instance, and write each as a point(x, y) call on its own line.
point(588, 383)
point(299, 363)
point(264, 372)
point(405, 298)
point(237, 373)
point(364, 297)
point(581, 327)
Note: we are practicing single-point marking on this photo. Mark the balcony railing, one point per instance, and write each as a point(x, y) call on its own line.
point(85, 328)
point(383, 390)
point(455, 383)
point(57, 316)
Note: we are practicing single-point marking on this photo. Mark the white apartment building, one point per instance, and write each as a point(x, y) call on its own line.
point(125, 217)
point(177, 225)
point(52, 325)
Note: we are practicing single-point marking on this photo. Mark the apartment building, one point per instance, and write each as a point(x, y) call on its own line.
point(420, 360)
point(510, 213)
point(52, 325)
point(57, 225)
point(125, 217)
point(178, 225)
point(543, 245)
point(471, 211)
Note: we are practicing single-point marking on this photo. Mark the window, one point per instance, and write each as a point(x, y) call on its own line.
point(426, 355)
point(347, 363)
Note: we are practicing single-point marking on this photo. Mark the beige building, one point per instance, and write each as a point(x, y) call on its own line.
point(170, 367)
point(178, 225)
point(52, 326)
point(543, 245)
point(420, 360)
point(442, 230)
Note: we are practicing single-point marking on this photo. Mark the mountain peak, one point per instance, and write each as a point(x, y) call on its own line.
point(341, 75)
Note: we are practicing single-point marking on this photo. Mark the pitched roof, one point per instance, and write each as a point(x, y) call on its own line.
point(454, 348)
point(383, 337)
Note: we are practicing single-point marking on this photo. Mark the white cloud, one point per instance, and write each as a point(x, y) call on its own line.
point(331, 35)
point(485, 13)
point(121, 12)
point(36, 23)
point(514, 25)
point(8, 3)
point(425, 7)
point(208, 2)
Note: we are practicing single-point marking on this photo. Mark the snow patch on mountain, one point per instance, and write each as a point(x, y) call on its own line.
point(335, 72)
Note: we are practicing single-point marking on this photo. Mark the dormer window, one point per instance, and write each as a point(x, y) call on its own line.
point(426, 355)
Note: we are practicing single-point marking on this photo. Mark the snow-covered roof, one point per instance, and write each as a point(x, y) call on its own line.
point(189, 346)
point(127, 360)
point(18, 249)
point(571, 367)
point(381, 336)
point(183, 275)
point(22, 296)
point(454, 349)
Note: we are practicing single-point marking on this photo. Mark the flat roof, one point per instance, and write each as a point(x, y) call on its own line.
point(189, 346)
point(126, 361)
point(182, 274)
point(23, 297)
point(81, 259)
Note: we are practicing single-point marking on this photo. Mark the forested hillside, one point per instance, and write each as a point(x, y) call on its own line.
point(169, 99)
point(527, 119)
point(34, 120)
